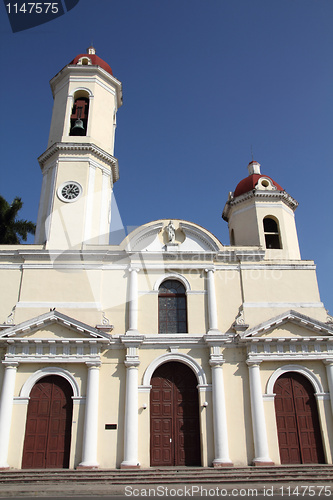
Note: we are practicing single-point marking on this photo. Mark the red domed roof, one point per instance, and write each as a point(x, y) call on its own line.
point(95, 60)
point(249, 183)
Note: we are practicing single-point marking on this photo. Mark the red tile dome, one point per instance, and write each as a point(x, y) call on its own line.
point(249, 183)
point(94, 60)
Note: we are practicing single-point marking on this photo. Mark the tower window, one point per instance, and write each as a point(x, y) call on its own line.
point(272, 233)
point(172, 307)
point(79, 117)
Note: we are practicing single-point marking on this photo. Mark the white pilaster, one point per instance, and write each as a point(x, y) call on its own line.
point(90, 204)
point(104, 227)
point(329, 372)
point(90, 431)
point(133, 302)
point(212, 309)
point(131, 429)
point(258, 416)
point(219, 415)
point(131, 418)
point(6, 408)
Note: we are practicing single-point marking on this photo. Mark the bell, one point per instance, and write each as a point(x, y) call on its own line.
point(78, 128)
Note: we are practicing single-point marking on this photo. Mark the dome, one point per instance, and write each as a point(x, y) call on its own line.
point(90, 58)
point(249, 183)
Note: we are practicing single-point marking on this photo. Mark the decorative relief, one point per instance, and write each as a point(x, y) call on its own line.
point(171, 232)
point(239, 325)
point(329, 319)
point(105, 326)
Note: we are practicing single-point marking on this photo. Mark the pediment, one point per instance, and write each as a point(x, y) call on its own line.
point(291, 324)
point(171, 235)
point(53, 326)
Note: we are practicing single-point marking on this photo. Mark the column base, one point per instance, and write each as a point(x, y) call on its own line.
point(221, 463)
point(129, 466)
point(263, 463)
point(87, 466)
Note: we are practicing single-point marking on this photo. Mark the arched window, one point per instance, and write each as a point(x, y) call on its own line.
point(172, 309)
point(272, 233)
point(79, 116)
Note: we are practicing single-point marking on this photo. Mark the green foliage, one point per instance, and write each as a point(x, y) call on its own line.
point(13, 230)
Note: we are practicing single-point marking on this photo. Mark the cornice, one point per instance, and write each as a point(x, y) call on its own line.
point(259, 194)
point(71, 147)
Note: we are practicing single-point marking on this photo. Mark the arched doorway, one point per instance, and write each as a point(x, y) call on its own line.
point(49, 423)
point(174, 416)
point(297, 420)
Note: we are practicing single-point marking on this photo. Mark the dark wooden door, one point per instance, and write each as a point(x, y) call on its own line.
point(174, 416)
point(297, 420)
point(48, 428)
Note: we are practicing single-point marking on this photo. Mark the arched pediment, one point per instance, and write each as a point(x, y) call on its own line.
point(171, 235)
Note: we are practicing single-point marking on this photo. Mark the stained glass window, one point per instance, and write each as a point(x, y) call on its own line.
point(172, 309)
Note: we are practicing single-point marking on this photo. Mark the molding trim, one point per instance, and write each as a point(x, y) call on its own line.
point(172, 276)
point(302, 370)
point(182, 358)
point(44, 372)
point(71, 147)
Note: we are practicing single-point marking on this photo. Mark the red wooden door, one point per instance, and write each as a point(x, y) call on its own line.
point(297, 420)
point(174, 417)
point(48, 428)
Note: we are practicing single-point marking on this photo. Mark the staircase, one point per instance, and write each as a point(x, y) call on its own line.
point(65, 482)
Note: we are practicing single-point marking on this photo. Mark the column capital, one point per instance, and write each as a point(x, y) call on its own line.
point(328, 361)
point(10, 364)
point(216, 361)
point(210, 269)
point(93, 364)
point(133, 269)
point(131, 361)
point(253, 362)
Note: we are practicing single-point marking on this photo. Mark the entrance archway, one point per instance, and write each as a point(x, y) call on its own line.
point(49, 423)
point(297, 420)
point(174, 416)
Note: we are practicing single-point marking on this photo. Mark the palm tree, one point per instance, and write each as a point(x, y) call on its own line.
point(13, 230)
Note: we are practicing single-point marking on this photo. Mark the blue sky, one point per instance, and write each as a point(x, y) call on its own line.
point(203, 81)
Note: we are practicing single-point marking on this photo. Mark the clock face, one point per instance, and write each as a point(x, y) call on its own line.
point(69, 191)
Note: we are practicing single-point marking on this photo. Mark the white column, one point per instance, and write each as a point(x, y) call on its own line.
point(6, 409)
point(219, 416)
point(133, 302)
point(90, 430)
point(131, 416)
point(212, 309)
point(258, 416)
point(329, 372)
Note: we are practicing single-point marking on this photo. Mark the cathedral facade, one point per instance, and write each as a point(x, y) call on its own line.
point(169, 349)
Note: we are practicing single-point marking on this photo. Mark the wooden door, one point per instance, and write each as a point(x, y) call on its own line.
point(174, 416)
point(48, 428)
point(297, 420)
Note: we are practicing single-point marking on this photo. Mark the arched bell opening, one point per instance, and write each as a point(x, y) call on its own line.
point(79, 116)
point(272, 233)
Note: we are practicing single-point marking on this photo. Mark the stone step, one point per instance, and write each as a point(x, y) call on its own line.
point(167, 476)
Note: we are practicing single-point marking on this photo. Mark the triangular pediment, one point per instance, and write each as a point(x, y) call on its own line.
point(290, 324)
point(53, 325)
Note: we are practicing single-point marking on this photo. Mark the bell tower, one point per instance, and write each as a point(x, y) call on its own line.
point(261, 213)
point(78, 167)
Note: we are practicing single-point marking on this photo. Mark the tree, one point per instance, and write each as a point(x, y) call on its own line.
point(13, 230)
